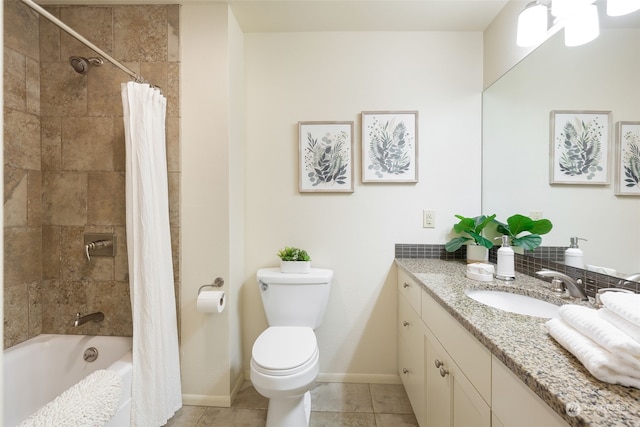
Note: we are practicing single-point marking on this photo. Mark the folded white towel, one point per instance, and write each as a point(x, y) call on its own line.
point(623, 304)
point(621, 323)
point(586, 321)
point(602, 364)
point(90, 403)
point(602, 270)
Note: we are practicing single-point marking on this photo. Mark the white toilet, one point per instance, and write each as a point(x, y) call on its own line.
point(284, 358)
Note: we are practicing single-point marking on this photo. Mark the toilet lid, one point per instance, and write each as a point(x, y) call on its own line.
point(284, 347)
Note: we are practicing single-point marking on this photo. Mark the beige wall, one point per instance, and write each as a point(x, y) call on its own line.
point(293, 77)
point(65, 130)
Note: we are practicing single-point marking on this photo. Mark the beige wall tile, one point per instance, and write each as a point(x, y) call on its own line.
point(63, 91)
point(121, 262)
point(33, 86)
point(106, 198)
point(22, 256)
point(155, 72)
point(51, 236)
point(73, 261)
point(21, 28)
point(140, 33)
point(15, 197)
point(174, 198)
point(104, 91)
point(50, 37)
point(64, 198)
point(21, 140)
point(61, 300)
point(34, 198)
point(16, 300)
point(173, 33)
point(51, 141)
point(114, 300)
point(173, 144)
point(87, 143)
point(35, 309)
point(95, 23)
point(15, 85)
point(172, 91)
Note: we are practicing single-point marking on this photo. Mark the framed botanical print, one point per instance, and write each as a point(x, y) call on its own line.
point(325, 156)
point(627, 174)
point(579, 147)
point(389, 146)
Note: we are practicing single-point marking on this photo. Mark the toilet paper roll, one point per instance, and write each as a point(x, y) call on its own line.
point(211, 301)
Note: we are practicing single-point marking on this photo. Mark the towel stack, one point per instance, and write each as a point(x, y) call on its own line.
point(606, 341)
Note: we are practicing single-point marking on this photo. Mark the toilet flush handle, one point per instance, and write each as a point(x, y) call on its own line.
point(263, 285)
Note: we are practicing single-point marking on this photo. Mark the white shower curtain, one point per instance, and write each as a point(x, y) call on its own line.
point(156, 390)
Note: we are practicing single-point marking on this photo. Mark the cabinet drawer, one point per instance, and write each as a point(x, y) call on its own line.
point(410, 326)
point(473, 358)
point(410, 289)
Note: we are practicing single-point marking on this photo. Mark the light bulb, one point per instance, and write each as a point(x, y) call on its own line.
point(582, 27)
point(622, 7)
point(532, 25)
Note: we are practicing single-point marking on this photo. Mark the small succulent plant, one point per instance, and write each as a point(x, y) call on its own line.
point(293, 254)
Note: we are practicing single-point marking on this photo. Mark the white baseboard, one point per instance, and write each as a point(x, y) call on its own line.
point(206, 400)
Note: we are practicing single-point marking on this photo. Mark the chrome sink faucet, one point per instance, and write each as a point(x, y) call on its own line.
point(81, 320)
point(574, 286)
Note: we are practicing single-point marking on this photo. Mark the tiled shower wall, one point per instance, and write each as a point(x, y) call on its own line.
point(64, 161)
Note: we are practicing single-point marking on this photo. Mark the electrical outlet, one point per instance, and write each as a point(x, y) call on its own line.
point(536, 215)
point(428, 219)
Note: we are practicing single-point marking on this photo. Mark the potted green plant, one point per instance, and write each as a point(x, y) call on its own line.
point(294, 260)
point(524, 231)
point(477, 245)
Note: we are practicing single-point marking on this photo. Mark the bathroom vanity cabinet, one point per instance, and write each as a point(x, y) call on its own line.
point(451, 378)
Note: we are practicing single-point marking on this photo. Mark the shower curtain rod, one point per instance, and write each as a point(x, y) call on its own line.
point(35, 6)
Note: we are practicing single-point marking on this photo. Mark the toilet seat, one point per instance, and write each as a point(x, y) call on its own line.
point(284, 350)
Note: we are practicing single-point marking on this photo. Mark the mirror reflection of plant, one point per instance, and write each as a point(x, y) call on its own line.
point(631, 160)
point(518, 224)
point(389, 148)
point(473, 227)
point(328, 159)
point(581, 148)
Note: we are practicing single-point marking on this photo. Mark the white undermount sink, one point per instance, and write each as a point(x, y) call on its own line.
point(514, 303)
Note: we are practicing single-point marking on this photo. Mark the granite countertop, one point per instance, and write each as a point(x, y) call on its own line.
point(523, 344)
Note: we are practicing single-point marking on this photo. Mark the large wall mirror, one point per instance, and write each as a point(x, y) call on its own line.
point(603, 75)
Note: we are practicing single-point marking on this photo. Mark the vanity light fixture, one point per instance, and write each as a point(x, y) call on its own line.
point(622, 7)
point(579, 18)
point(532, 24)
point(582, 26)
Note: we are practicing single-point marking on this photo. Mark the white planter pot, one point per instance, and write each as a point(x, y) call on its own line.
point(299, 267)
point(477, 253)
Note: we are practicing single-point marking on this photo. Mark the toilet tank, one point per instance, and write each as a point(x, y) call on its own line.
point(294, 299)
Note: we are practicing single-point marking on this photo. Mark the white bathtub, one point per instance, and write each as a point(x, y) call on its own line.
point(38, 370)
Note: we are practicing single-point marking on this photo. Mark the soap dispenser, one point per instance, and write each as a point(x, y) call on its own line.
point(505, 270)
point(574, 256)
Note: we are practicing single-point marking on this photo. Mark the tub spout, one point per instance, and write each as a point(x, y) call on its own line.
point(81, 320)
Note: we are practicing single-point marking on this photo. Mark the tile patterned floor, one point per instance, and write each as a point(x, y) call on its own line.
point(332, 405)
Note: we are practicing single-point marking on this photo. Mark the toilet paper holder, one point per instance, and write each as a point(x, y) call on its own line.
point(217, 283)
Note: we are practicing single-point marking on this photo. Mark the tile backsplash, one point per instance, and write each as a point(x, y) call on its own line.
point(547, 257)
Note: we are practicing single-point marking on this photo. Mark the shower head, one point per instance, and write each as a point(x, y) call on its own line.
point(81, 65)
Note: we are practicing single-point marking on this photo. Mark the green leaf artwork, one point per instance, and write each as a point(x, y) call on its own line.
point(631, 160)
point(326, 160)
point(580, 148)
point(390, 145)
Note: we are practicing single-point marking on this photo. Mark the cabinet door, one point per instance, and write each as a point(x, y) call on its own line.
point(451, 398)
point(438, 387)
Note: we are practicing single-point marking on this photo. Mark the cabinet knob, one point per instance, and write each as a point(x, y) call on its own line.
point(439, 363)
point(405, 323)
point(443, 372)
point(406, 285)
point(405, 371)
